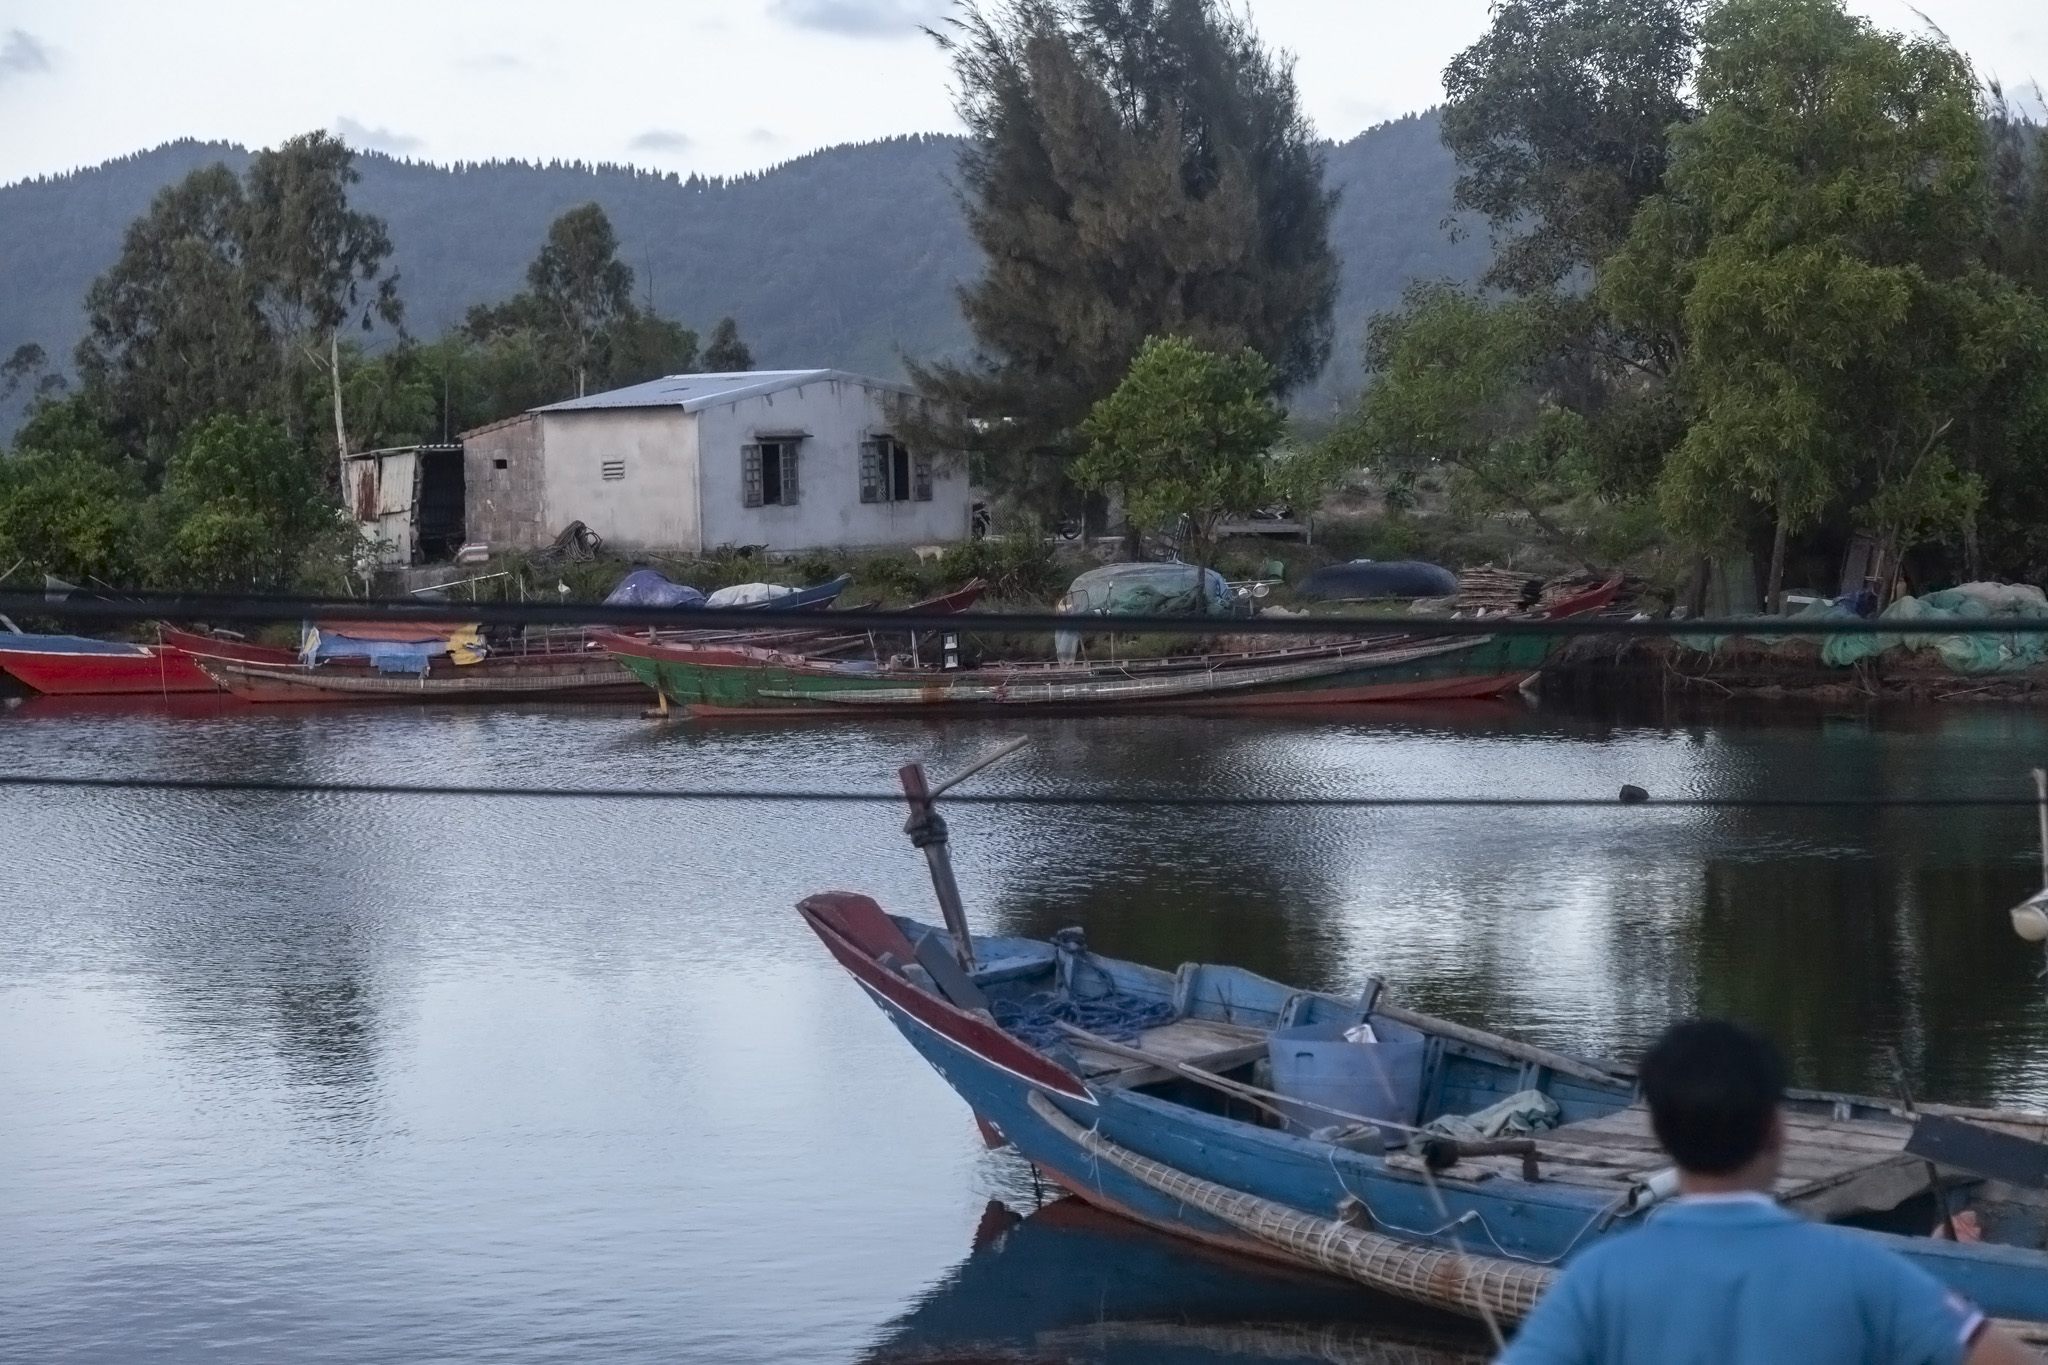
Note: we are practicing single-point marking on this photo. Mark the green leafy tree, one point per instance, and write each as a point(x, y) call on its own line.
point(1456, 389)
point(1559, 118)
point(580, 287)
point(574, 328)
point(726, 353)
point(645, 345)
point(69, 513)
point(1184, 438)
point(1136, 168)
point(1820, 245)
point(175, 330)
point(241, 508)
point(319, 262)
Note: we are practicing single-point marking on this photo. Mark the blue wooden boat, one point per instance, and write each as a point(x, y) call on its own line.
point(803, 599)
point(1160, 1095)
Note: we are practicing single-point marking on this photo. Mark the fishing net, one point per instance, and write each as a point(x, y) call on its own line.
point(1036, 1019)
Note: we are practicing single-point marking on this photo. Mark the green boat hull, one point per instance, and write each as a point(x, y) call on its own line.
point(715, 682)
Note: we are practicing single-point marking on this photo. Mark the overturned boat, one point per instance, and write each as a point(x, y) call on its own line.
point(1422, 1157)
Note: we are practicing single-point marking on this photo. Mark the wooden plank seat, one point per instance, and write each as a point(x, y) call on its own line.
point(1832, 1166)
point(1202, 1043)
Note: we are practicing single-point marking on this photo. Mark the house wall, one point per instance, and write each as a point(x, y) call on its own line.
point(505, 508)
point(653, 506)
point(828, 513)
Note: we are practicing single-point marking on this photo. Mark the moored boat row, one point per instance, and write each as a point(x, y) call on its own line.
point(757, 669)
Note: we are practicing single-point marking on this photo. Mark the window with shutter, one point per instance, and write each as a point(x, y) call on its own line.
point(922, 475)
point(789, 449)
point(750, 475)
point(871, 470)
point(899, 472)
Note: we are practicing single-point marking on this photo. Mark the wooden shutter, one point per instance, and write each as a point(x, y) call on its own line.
point(750, 475)
point(921, 477)
point(789, 449)
point(872, 456)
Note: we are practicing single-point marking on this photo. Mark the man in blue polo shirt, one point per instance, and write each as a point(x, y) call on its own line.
point(1723, 1275)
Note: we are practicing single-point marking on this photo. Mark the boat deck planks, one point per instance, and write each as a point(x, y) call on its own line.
point(1834, 1163)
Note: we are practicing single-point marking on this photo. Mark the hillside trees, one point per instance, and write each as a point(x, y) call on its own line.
point(1136, 168)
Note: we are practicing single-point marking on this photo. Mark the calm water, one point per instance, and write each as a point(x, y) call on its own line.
point(380, 1079)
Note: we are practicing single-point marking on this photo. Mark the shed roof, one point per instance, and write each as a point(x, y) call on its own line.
point(696, 392)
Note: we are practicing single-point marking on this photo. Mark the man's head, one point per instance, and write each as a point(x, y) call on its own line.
point(1714, 1089)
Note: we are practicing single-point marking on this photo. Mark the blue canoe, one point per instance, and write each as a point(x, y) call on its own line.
point(1160, 1110)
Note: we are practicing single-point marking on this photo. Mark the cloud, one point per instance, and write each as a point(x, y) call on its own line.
point(861, 18)
point(662, 140)
point(494, 62)
point(762, 137)
point(23, 53)
point(367, 139)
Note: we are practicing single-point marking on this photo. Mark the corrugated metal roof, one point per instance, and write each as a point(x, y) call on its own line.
point(695, 392)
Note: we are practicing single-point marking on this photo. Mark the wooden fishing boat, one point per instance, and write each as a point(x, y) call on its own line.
point(714, 678)
point(557, 666)
point(1177, 1105)
point(75, 666)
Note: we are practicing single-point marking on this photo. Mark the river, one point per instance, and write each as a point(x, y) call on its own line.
point(378, 1078)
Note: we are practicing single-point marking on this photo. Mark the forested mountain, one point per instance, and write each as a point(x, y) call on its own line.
point(847, 257)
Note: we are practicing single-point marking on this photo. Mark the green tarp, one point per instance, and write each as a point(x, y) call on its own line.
point(1920, 619)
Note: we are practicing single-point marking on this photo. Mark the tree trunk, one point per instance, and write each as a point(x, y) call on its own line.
point(1774, 593)
point(340, 428)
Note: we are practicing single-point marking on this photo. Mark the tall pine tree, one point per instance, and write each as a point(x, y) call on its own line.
point(1136, 168)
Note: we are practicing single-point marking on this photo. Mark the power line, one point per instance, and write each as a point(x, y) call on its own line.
point(1041, 799)
point(144, 606)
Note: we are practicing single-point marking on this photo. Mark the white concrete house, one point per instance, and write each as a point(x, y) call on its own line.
point(789, 459)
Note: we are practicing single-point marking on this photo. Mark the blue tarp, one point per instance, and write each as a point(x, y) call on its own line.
point(649, 588)
point(387, 656)
point(1379, 578)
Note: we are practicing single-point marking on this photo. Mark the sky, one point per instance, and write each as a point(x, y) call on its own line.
point(712, 86)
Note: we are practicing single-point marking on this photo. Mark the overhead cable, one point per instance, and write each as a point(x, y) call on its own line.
point(1043, 799)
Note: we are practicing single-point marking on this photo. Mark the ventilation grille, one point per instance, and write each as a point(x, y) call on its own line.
point(614, 469)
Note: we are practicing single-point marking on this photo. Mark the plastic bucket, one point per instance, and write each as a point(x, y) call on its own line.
point(1315, 1062)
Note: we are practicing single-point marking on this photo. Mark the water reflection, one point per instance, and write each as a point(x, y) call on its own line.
point(362, 1079)
point(1069, 1283)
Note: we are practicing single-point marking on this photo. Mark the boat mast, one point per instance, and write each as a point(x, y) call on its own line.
point(927, 830)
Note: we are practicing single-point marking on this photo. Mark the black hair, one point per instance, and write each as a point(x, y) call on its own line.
point(1713, 1087)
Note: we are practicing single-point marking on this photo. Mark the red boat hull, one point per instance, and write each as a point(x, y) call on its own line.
point(147, 672)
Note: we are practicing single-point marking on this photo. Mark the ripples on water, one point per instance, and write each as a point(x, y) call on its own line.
point(378, 1078)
